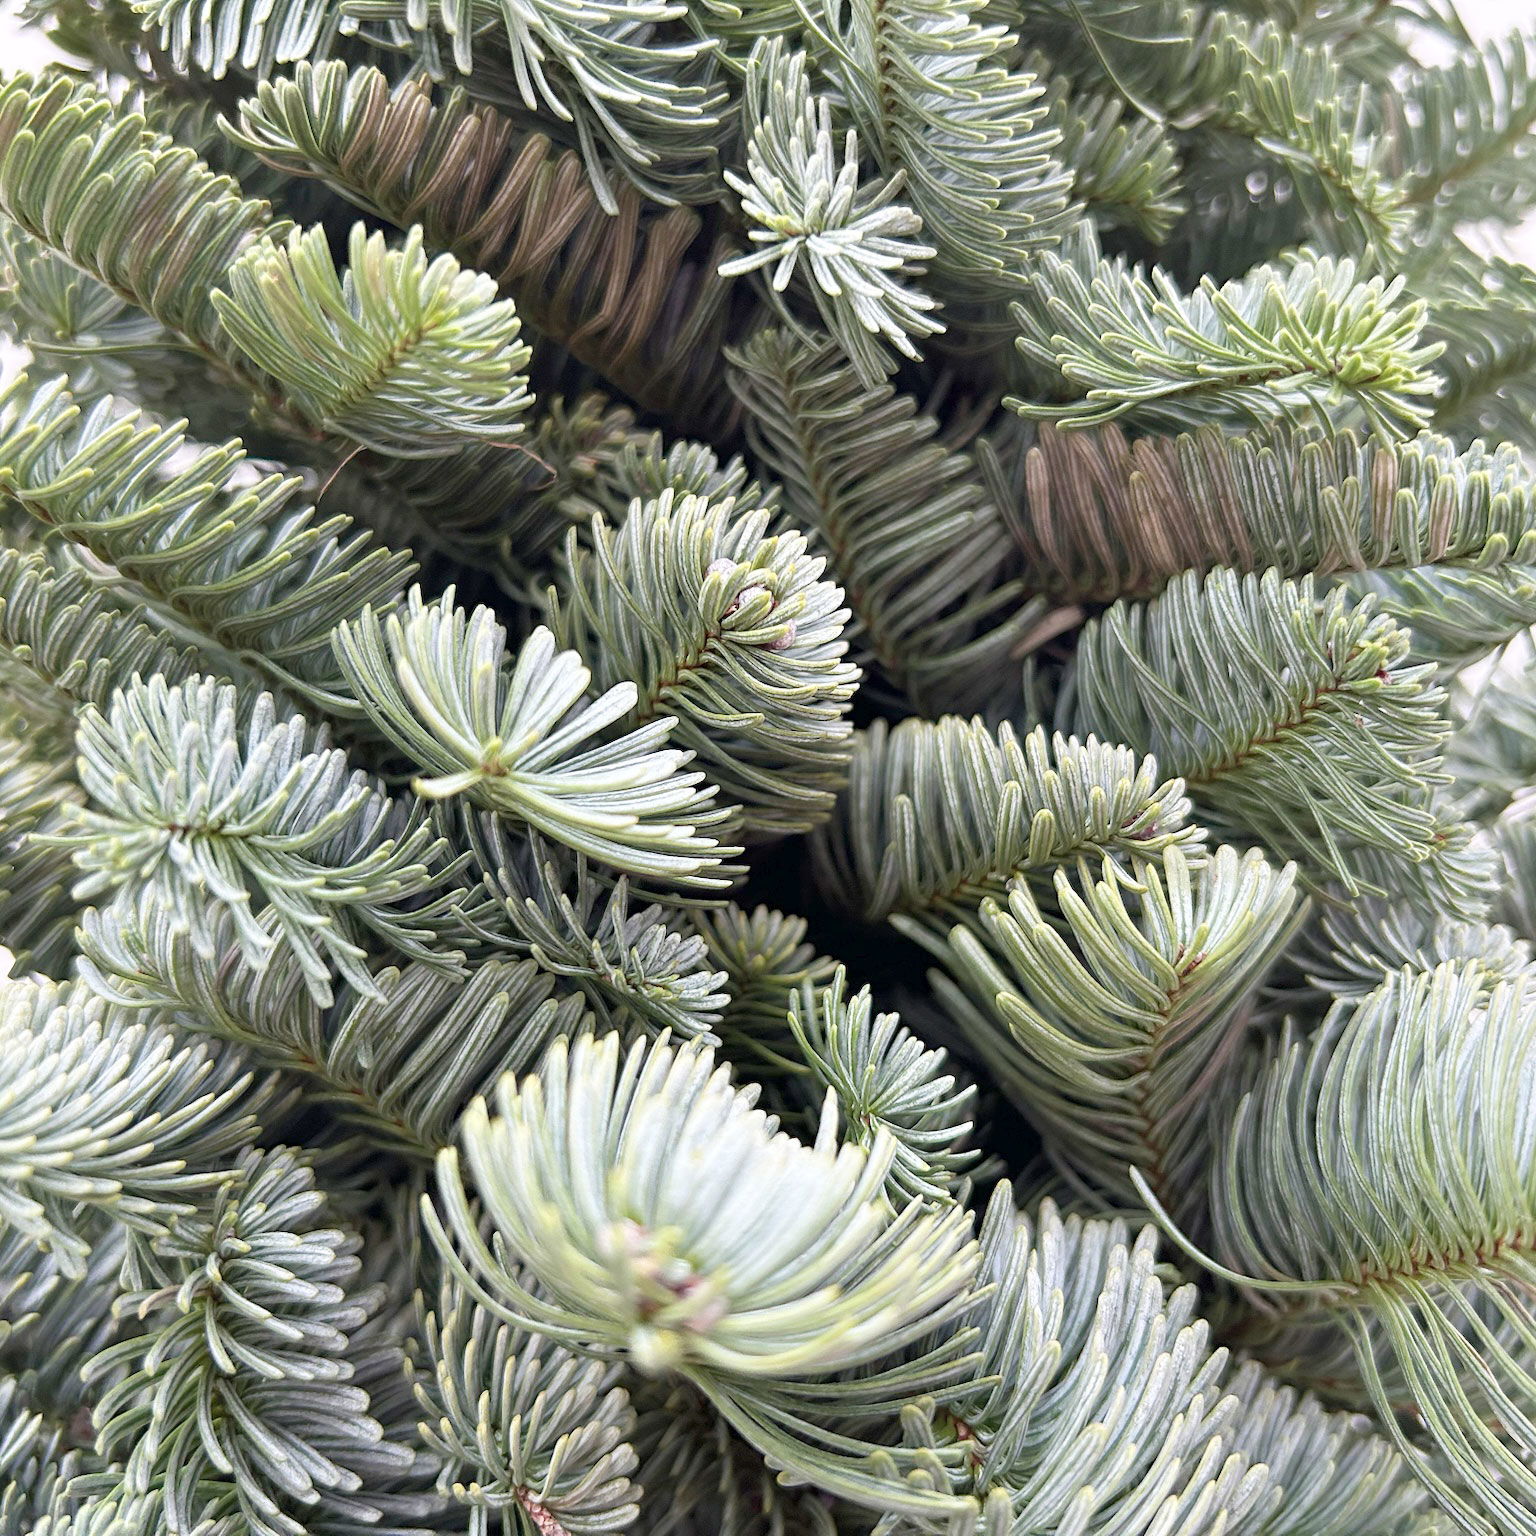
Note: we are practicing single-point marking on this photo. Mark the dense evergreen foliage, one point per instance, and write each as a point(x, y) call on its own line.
point(767, 768)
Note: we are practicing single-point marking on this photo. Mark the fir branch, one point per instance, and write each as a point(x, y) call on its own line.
point(633, 1303)
point(766, 961)
point(1332, 1470)
point(1112, 1444)
point(1492, 749)
point(635, 294)
point(703, 1479)
point(51, 1323)
point(1456, 612)
point(631, 967)
point(239, 1395)
point(1487, 372)
point(669, 1263)
point(410, 358)
point(259, 820)
point(1463, 135)
point(236, 562)
point(1290, 718)
point(1350, 950)
point(1199, 67)
point(37, 913)
point(1418, 1247)
point(884, 1080)
point(76, 638)
point(398, 1062)
point(1098, 517)
point(74, 323)
point(1293, 102)
point(524, 1425)
point(711, 619)
point(939, 814)
point(105, 35)
point(1294, 342)
point(908, 527)
point(805, 205)
point(927, 87)
point(1108, 518)
point(638, 93)
point(1149, 1438)
point(104, 1112)
point(442, 687)
point(1125, 168)
point(74, 172)
point(1113, 1014)
point(114, 1515)
point(215, 35)
point(1514, 842)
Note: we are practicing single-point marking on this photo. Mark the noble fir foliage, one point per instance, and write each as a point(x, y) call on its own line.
point(767, 768)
